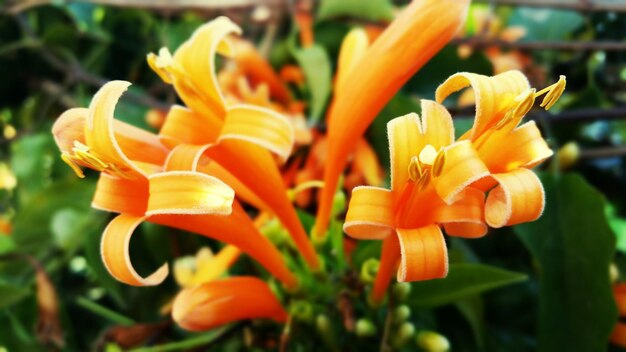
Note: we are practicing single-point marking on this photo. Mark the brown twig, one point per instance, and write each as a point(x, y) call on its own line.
point(582, 115)
point(478, 42)
point(563, 5)
point(601, 153)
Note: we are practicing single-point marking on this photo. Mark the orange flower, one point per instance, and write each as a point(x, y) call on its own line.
point(137, 182)
point(205, 266)
point(509, 151)
point(422, 29)
point(618, 336)
point(430, 174)
point(237, 137)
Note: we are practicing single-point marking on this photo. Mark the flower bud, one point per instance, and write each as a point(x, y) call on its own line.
point(613, 273)
point(568, 155)
point(369, 269)
point(339, 203)
point(401, 314)
point(431, 341)
point(404, 333)
point(302, 311)
point(365, 328)
point(401, 291)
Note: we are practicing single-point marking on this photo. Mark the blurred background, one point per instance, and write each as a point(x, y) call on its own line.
point(54, 54)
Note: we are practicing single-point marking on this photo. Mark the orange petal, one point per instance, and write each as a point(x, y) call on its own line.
point(436, 124)
point(389, 257)
point(405, 46)
point(518, 198)
point(618, 337)
point(494, 95)
point(99, 131)
point(188, 192)
point(405, 141)
point(370, 213)
point(214, 267)
point(259, 126)
point(196, 57)
point(258, 70)
point(70, 127)
point(254, 167)
point(224, 301)
point(119, 195)
point(115, 252)
point(241, 190)
point(619, 291)
point(186, 126)
point(352, 49)
point(522, 147)
point(236, 229)
point(462, 168)
point(424, 255)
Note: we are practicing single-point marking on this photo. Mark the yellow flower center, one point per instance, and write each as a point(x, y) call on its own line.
point(82, 156)
point(429, 163)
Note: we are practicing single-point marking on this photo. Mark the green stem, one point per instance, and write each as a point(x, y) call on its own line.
point(384, 344)
point(188, 344)
point(104, 312)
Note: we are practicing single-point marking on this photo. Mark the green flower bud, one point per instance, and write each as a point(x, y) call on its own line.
point(431, 341)
point(613, 273)
point(323, 324)
point(339, 203)
point(302, 311)
point(401, 291)
point(401, 314)
point(365, 328)
point(404, 333)
point(369, 269)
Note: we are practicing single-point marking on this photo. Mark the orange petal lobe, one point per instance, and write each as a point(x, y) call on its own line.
point(119, 195)
point(518, 198)
point(186, 126)
point(424, 255)
point(115, 252)
point(224, 301)
point(437, 124)
point(370, 213)
point(70, 127)
point(405, 141)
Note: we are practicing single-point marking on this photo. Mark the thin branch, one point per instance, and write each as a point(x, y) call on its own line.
point(582, 115)
point(563, 5)
point(601, 153)
point(478, 42)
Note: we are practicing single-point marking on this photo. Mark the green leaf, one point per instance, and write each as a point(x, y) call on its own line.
point(618, 225)
point(574, 247)
point(32, 158)
point(316, 66)
point(6, 244)
point(10, 294)
point(545, 24)
point(68, 226)
point(464, 280)
point(371, 10)
point(471, 308)
point(195, 340)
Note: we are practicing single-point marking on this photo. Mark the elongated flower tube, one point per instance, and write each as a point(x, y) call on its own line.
point(422, 29)
point(241, 138)
point(508, 149)
point(427, 166)
point(223, 301)
point(140, 180)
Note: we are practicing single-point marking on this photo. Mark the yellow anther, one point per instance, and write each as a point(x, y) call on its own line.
point(163, 64)
point(440, 163)
point(427, 155)
point(423, 180)
point(504, 121)
point(89, 159)
point(67, 158)
point(119, 172)
point(415, 169)
point(526, 101)
point(554, 92)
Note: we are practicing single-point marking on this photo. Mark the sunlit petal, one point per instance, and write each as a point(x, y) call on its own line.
point(370, 213)
point(424, 255)
point(518, 198)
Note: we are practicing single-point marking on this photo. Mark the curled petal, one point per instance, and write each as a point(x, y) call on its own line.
point(259, 126)
point(436, 124)
point(187, 157)
point(404, 142)
point(199, 87)
point(120, 195)
point(184, 126)
point(402, 49)
point(424, 255)
point(242, 191)
point(518, 198)
point(493, 95)
point(115, 252)
point(464, 217)
point(463, 167)
point(370, 213)
point(70, 127)
point(188, 192)
point(521, 147)
point(224, 301)
point(99, 130)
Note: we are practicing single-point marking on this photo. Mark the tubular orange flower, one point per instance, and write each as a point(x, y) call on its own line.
point(427, 167)
point(243, 137)
point(423, 28)
point(618, 336)
point(508, 150)
point(137, 182)
point(223, 301)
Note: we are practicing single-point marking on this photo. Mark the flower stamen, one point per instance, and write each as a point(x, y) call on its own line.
point(553, 93)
